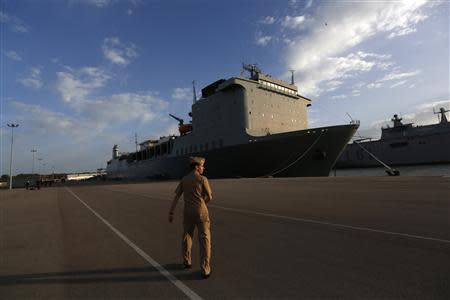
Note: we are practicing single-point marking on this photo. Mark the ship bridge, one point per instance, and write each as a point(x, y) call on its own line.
point(257, 106)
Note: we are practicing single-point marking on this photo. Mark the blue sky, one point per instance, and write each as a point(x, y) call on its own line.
point(82, 75)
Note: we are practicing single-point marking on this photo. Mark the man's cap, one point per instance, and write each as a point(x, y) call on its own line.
point(196, 160)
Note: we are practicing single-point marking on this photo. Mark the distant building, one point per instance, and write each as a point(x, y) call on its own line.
point(85, 175)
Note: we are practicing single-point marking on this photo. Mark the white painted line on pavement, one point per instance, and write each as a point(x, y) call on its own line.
point(331, 224)
point(180, 285)
point(307, 220)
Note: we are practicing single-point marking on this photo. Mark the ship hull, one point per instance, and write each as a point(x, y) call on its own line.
point(416, 150)
point(311, 152)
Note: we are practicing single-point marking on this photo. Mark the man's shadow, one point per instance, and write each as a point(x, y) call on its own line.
point(135, 274)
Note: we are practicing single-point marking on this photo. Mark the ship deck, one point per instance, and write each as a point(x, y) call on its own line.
point(273, 238)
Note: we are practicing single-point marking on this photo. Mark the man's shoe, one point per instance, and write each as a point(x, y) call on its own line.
point(206, 276)
point(186, 266)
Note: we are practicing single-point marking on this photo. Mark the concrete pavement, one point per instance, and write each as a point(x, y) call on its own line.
point(295, 238)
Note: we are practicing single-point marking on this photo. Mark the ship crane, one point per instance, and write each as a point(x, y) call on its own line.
point(180, 121)
point(182, 128)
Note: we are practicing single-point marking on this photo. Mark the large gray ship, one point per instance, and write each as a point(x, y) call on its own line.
point(401, 144)
point(244, 127)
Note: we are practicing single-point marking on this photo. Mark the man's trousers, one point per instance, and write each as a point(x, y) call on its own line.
point(204, 238)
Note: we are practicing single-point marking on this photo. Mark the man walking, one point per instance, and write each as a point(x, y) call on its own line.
point(197, 193)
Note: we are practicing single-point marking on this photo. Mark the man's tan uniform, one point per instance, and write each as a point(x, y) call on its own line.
point(197, 192)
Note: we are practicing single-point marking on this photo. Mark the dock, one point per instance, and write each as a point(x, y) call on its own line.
point(290, 238)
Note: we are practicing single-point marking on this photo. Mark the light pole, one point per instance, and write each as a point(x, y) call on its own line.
point(12, 126)
point(33, 151)
point(39, 166)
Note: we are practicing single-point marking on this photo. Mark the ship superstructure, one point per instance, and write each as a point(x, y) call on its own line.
point(260, 122)
point(402, 144)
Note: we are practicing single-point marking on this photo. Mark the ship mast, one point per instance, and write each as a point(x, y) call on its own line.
point(292, 76)
point(397, 121)
point(136, 143)
point(253, 69)
point(443, 119)
point(194, 98)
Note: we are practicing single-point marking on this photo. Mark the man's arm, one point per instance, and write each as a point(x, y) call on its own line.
point(208, 192)
point(177, 196)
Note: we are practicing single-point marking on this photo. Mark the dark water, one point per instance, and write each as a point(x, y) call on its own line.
point(419, 170)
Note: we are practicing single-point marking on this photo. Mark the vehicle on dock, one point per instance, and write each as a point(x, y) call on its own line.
point(244, 127)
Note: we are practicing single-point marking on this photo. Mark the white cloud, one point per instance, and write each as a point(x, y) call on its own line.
point(117, 52)
point(288, 41)
point(392, 77)
point(268, 20)
point(77, 87)
point(356, 93)
point(398, 83)
point(263, 40)
point(13, 55)
point(308, 4)
point(359, 85)
point(348, 25)
point(16, 24)
point(293, 22)
point(374, 85)
point(338, 97)
point(333, 85)
point(407, 27)
point(41, 121)
point(334, 69)
point(433, 105)
point(373, 55)
point(182, 94)
point(86, 145)
point(98, 3)
point(125, 107)
point(33, 80)
point(106, 3)
point(397, 76)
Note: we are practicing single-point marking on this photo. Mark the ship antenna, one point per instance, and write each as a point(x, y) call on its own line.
point(292, 76)
point(253, 70)
point(194, 98)
point(443, 117)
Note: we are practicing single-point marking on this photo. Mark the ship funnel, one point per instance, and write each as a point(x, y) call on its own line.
point(115, 152)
